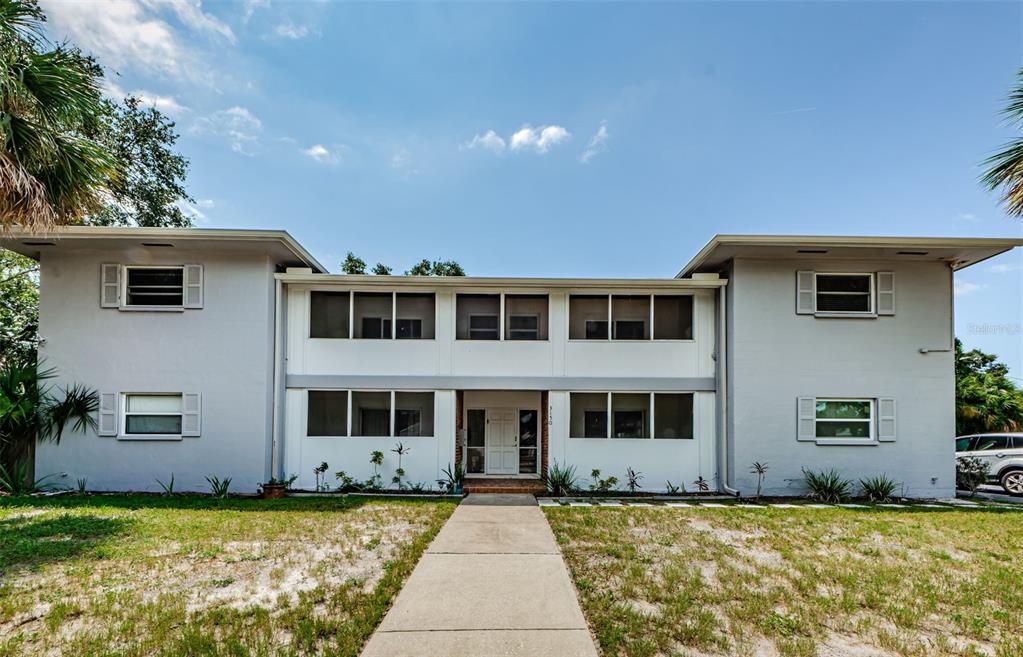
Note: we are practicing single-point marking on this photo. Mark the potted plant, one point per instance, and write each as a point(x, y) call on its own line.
point(275, 489)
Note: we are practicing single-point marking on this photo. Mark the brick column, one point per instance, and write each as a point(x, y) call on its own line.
point(459, 401)
point(544, 430)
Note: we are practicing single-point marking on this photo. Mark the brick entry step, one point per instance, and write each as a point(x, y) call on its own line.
point(498, 485)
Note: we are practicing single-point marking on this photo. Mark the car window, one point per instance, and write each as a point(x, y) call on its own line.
point(988, 443)
point(963, 444)
point(1017, 442)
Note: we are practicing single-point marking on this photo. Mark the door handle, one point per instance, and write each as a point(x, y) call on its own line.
point(1000, 455)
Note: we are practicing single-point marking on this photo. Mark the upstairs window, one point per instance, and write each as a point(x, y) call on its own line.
point(525, 316)
point(845, 293)
point(630, 317)
point(328, 315)
point(478, 317)
point(415, 318)
point(372, 313)
point(587, 317)
point(155, 286)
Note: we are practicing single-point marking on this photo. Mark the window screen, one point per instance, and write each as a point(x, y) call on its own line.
point(153, 286)
point(630, 415)
point(371, 414)
point(413, 413)
point(847, 293)
point(587, 317)
point(416, 316)
point(327, 413)
point(588, 415)
point(673, 317)
point(372, 315)
point(673, 415)
point(630, 317)
point(478, 317)
point(526, 317)
point(475, 443)
point(328, 314)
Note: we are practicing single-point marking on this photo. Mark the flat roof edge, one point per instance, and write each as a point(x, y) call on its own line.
point(490, 282)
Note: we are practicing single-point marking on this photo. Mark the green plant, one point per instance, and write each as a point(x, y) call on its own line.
point(17, 480)
point(377, 459)
point(274, 481)
point(971, 473)
point(399, 473)
point(702, 484)
point(168, 488)
point(672, 489)
point(319, 472)
point(347, 483)
point(83, 485)
point(879, 488)
point(827, 485)
point(760, 470)
point(420, 487)
point(602, 485)
point(633, 479)
point(218, 486)
point(560, 480)
point(452, 481)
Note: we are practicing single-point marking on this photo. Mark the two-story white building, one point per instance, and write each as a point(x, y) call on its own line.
point(234, 353)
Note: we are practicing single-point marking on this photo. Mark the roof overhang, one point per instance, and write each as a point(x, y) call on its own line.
point(959, 252)
point(277, 243)
point(497, 284)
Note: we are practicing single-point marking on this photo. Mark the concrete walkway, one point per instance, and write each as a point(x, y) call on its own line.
point(492, 584)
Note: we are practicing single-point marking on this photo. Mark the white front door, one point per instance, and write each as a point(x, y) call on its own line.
point(502, 442)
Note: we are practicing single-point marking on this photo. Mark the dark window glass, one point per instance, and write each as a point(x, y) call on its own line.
point(673, 317)
point(152, 424)
point(628, 424)
point(989, 443)
point(588, 415)
point(963, 444)
point(483, 327)
point(328, 314)
point(413, 413)
point(527, 442)
point(155, 287)
point(596, 329)
point(843, 293)
point(673, 415)
point(523, 327)
point(476, 427)
point(596, 424)
point(375, 328)
point(327, 413)
point(630, 329)
point(410, 329)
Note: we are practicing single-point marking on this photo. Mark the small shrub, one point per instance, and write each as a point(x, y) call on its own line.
point(827, 485)
point(83, 485)
point(602, 485)
point(701, 484)
point(452, 481)
point(377, 459)
point(879, 488)
point(168, 488)
point(971, 473)
point(346, 483)
point(399, 472)
point(673, 489)
point(560, 480)
point(18, 480)
point(633, 479)
point(760, 470)
point(319, 472)
point(218, 486)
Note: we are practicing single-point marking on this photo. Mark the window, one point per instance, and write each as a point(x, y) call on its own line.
point(630, 413)
point(328, 314)
point(371, 414)
point(673, 317)
point(154, 286)
point(327, 413)
point(527, 441)
point(475, 440)
point(413, 414)
point(526, 317)
point(963, 444)
point(149, 415)
point(416, 316)
point(478, 317)
point(844, 293)
point(630, 317)
point(992, 443)
point(844, 418)
point(673, 415)
point(372, 314)
point(588, 415)
point(587, 317)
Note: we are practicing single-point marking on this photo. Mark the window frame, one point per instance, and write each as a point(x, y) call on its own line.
point(497, 327)
point(502, 317)
point(123, 434)
point(125, 274)
point(535, 331)
point(871, 422)
point(871, 295)
point(609, 321)
point(393, 318)
point(650, 413)
point(350, 420)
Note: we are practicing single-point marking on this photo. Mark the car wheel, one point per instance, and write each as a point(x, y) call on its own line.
point(1012, 482)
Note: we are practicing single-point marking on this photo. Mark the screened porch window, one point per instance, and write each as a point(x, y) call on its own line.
point(413, 414)
point(327, 413)
point(372, 314)
point(525, 317)
point(630, 317)
point(588, 415)
point(328, 314)
point(630, 414)
point(371, 413)
point(415, 316)
point(638, 415)
point(478, 317)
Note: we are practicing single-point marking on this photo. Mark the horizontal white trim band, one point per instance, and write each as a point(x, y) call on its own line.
point(559, 383)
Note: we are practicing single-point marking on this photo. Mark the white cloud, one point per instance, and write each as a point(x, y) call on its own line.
point(237, 124)
point(250, 7)
point(291, 31)
point(489, 141)
point(1004, 269)
point(193, 211)
point(165, 104)
point(402, 162)
point(132, 34)
point(962, 288)
point(322, 154)
point(598, 144)
point(538, 139)
point(967, 217)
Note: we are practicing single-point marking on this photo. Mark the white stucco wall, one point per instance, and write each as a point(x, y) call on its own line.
point(777, 356)
point(223, 351)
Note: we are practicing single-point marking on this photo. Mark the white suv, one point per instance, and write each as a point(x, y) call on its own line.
point(1003, 453)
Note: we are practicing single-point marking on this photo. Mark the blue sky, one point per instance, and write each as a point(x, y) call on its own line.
point(581, 139)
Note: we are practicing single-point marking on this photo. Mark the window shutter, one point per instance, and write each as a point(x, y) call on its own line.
point(886, 419)
point(110, 286)
point(107, 425)
point(191, 410)
point(885, 293)
point(807, 418)
point(193, 286)
point(804, 293)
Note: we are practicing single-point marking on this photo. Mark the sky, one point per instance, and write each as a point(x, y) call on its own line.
point(581, 139)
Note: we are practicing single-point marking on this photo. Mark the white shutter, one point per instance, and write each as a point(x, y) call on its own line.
point(886, 419)
point(110, 286)
point(885, 293)
point(193, 286)
point(191, 410)
point(107, 424)
point(805, 291)
point(806, 409)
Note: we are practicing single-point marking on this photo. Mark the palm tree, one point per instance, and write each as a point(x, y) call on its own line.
point(1006, 166)
point(52, 170)
point(32, 411)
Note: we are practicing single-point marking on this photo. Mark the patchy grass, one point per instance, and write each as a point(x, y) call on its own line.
point(797, 582)
point(138, 576)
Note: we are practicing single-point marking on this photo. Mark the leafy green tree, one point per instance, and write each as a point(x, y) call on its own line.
point(19, 308)
point(1005, 168)
point(53, 168)
point(152, 175)
point(381, 269)
point(353, 265)
point(986, 398)
point(436, 268)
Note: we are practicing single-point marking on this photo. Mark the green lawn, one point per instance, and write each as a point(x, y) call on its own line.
point(137, 575)
point(801, 582)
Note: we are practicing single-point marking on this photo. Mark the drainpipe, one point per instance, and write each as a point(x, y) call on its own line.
point(278, 379)
point(722, 396)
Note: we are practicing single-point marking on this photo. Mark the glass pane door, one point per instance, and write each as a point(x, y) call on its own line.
point(528, 440)
point(475, 440)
